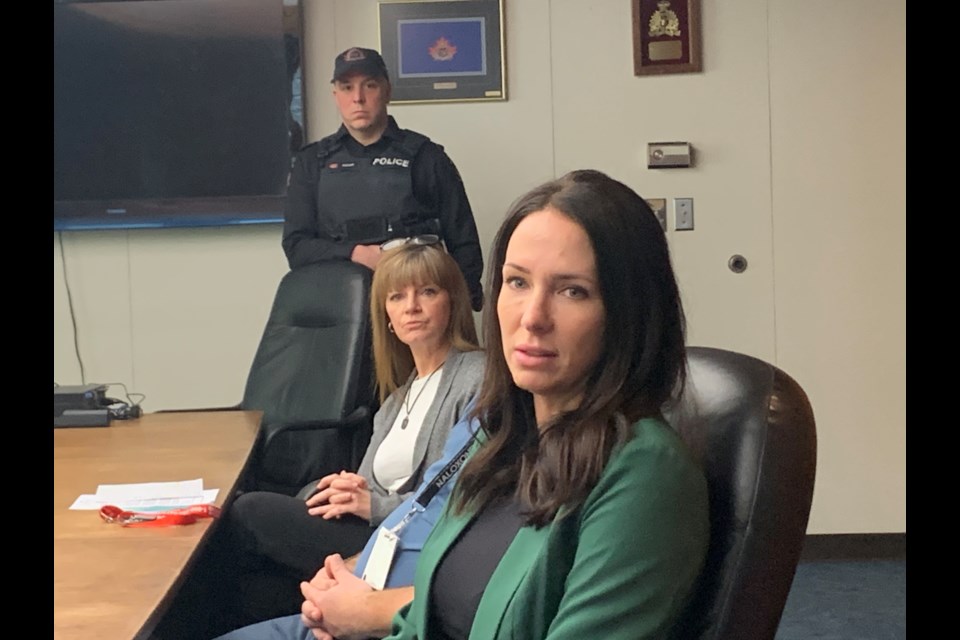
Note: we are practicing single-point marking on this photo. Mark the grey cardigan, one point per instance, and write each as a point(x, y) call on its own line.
point(459, 382)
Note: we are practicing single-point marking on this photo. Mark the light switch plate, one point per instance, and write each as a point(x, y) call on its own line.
point(659, 206)
point(683, 214)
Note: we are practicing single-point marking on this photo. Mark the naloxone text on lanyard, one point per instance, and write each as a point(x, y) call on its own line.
point(385, 546)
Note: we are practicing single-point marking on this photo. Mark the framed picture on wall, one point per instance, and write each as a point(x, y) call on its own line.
point(666, 36)
point(444, 50)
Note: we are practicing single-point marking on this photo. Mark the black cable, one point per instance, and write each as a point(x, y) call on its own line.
point(73, 316)
point(120, 410)
point(128, 394)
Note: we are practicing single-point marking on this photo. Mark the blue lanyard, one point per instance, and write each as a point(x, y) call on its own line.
point(446, 474)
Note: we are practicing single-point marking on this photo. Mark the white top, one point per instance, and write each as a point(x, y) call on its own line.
point(393, 462)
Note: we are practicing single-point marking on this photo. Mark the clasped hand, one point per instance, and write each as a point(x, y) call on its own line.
point(366, 254)
point(339, 494)
point(333, 603)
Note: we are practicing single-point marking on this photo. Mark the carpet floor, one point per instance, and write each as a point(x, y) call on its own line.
point(847, 600)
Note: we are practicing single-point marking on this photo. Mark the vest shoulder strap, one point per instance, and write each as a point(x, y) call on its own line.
point(411, 141)
point(408, 141)
point(326, 147)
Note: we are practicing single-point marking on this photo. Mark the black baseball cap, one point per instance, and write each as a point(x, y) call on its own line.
point(358, 60)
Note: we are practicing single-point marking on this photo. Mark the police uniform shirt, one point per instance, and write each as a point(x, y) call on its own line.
point(436, 187)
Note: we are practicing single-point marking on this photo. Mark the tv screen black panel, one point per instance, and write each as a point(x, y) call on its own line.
point(173, 112)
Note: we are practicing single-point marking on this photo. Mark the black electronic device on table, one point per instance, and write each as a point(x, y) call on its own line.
point(80, 406)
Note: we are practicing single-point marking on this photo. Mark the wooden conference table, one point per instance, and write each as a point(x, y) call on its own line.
point(112, 582)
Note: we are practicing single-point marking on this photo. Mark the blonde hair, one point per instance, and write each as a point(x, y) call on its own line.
point(415, 265)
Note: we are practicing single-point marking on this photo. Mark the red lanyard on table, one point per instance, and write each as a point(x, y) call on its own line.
point(171, 517)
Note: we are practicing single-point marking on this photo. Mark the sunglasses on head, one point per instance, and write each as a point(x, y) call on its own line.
point(425, 239)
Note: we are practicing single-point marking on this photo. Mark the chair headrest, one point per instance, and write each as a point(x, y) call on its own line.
point(326, 294)
point(752, 427)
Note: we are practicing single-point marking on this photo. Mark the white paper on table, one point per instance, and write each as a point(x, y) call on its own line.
point(90, 502)
point(146, 490)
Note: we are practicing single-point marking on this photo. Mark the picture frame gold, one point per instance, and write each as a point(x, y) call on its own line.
point(444, 50)
point(666, 37)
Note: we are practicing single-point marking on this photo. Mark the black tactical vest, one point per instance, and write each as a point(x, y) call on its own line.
point(369, 200)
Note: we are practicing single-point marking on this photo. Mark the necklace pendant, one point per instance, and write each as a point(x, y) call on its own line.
point(406, 419)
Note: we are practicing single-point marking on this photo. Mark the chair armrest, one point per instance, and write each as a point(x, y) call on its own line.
point(291, 454)
point(308, 490)
point(236, 407)
point(360, 417)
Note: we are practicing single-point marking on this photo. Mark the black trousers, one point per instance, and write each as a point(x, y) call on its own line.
point(274, 544)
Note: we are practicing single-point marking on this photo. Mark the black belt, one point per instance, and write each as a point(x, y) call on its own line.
point(375, 230)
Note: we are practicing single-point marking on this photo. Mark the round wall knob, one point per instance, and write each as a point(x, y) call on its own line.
point(737, 263)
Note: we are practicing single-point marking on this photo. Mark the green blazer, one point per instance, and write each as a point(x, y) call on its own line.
point(620, 568)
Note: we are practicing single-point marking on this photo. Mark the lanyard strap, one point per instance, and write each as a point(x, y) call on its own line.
point(170, 517)
point(446, 474)
point(448, 471)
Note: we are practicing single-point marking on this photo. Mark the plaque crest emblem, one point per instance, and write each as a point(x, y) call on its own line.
point(664, 21)
point(442, 50)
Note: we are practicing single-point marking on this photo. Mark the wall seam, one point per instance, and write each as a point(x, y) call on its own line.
point(130, 335)
point(770, 155)
point(553, 97)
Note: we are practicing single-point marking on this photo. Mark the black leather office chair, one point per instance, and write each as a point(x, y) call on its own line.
point(312, 377)
point(753, 428)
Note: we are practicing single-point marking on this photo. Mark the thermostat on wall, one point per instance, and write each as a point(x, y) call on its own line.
point(666, 155)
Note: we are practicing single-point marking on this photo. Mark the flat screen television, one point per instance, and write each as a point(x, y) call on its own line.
point(173, 113)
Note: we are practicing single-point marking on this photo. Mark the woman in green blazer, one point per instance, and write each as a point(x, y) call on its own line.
point(580, 514)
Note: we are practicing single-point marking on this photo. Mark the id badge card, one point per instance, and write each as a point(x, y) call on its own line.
point(381, 557)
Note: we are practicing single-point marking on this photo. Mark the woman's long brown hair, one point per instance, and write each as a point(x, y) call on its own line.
point(552, 468)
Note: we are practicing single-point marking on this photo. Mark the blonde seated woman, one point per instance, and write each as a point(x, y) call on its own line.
point(428, 368)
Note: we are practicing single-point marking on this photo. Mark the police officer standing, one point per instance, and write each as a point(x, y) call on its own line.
point(372, 181)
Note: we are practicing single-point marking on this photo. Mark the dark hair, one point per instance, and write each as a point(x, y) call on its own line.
point(641, 366)
point(413, 264)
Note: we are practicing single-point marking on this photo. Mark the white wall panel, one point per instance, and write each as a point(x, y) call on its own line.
point(838, 95)
point(798, 122)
